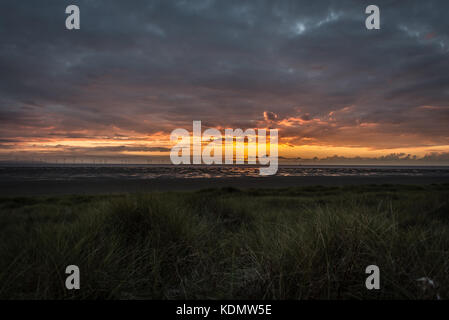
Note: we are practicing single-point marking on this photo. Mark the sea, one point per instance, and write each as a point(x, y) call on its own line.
point(135, 172)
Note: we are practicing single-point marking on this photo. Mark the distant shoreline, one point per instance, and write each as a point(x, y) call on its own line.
point(96, 186)
point(281, 165)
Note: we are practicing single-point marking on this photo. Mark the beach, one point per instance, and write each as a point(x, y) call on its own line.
point(140, 232)
point(115, 186)
point(33, 181)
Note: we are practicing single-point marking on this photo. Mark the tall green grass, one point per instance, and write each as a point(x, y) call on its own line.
point(296, 243)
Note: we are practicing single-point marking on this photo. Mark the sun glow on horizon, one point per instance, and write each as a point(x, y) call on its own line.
point(159, 145)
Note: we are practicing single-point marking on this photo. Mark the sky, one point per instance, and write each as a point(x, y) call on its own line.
point(137, 70)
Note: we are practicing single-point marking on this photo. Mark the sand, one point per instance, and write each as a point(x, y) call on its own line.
point(112, 186)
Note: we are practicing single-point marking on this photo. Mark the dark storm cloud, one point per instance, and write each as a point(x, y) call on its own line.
point(152, 66)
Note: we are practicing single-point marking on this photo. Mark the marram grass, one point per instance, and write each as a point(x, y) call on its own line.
point(296, 243)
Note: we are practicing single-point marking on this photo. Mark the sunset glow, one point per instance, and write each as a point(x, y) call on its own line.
point(115, 95)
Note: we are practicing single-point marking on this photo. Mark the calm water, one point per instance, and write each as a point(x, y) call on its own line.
point(45, 172)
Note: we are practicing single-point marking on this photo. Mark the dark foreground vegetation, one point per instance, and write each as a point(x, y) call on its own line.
point(296, 243)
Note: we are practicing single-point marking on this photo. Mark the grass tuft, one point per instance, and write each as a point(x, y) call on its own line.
point(294, 243)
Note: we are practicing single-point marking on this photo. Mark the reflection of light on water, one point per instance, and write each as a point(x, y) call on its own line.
point(184, 172)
